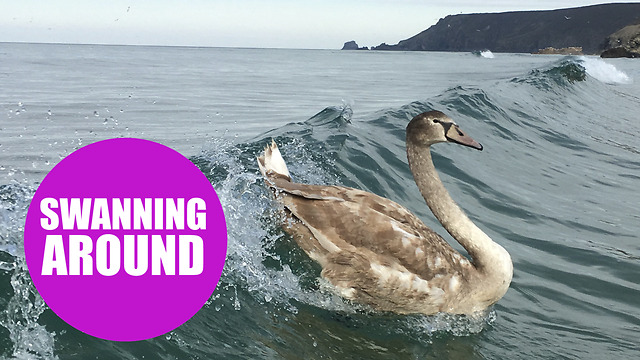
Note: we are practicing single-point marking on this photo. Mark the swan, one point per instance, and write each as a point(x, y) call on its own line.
point(376, 252)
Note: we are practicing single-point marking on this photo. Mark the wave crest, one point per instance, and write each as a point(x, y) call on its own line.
point(560, 74)
point(603, 71)
point(570, 70)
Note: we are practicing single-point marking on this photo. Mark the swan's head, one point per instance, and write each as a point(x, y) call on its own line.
point(434, 127)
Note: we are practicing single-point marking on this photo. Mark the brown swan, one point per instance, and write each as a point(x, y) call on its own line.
point(374, 251)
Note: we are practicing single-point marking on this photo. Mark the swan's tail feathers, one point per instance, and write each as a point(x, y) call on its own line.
point(272, 164)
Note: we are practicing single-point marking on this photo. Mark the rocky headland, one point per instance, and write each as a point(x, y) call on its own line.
point(589, 28)
point(623, 43)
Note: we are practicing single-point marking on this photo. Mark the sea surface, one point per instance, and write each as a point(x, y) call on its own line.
point(557, 185)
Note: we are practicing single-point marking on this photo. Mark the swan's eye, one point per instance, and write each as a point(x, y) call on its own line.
point(436, 121)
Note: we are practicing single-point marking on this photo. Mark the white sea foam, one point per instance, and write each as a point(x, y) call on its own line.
point(487, 54)
point(604, 72)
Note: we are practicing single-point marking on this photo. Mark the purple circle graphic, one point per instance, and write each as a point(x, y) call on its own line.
point(125, 239)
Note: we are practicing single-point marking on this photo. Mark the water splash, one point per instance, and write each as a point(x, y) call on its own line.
point(256, 260)
point(14, 202)
point(30, 339)
point(20, 317)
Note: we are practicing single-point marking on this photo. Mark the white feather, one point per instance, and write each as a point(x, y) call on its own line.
point(272, 161)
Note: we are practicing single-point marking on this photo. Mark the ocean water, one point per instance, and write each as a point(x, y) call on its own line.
point(557, 186)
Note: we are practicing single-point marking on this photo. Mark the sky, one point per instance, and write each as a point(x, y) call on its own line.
point(311, 24)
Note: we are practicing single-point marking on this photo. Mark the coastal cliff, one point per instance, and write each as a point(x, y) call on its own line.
point(524, 31)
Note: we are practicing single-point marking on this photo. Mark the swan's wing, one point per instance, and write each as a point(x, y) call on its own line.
point(360, 235)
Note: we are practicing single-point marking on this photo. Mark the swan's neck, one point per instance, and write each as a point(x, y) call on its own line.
point(489, 258)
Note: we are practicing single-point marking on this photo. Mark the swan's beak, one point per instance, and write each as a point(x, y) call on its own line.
point(454, 134)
